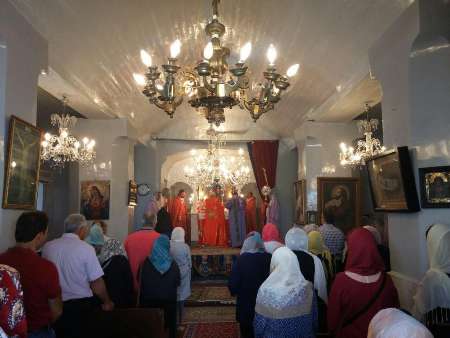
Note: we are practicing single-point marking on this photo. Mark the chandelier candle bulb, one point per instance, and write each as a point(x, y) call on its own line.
point(208, 51)
point(292, 70)
point(175, 49)
point(245, 51)
point(139, 79)
point(146, 58)
point(271, 54)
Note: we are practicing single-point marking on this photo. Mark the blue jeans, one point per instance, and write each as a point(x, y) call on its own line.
point(44, 333)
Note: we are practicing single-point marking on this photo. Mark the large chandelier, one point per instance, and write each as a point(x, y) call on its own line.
point(212, 85)
point(366, 148)
point(63, 147)
point(212, 168)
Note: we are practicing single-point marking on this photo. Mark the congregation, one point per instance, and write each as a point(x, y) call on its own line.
point(316, 279)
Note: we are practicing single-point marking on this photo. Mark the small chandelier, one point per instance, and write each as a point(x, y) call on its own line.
point(212, 85)
point(210, 168)
point(62, 148)
point(365, 148)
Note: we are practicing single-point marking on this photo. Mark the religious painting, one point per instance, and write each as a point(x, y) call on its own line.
point(341, 196)
point(95, 199)
point(22, 165)
point(300, 202)
point(392, 182)
point(435, 187)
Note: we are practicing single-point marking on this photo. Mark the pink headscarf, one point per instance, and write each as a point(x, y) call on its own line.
point(270, 233)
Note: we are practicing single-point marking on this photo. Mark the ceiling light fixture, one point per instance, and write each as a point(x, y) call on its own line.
point(62, 148)
point(213, 86)
point(366, 148)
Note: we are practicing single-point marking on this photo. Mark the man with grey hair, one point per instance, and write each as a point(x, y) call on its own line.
point(139, 244)
point(80, 276)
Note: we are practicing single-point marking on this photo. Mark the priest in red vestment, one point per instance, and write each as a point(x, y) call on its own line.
point(178, 212)
point(250, 213)
point(214, 226)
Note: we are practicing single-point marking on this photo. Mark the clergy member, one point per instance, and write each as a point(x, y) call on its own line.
point(214, 230)
point(178, 211)
point(236, 219)
point(250, 213)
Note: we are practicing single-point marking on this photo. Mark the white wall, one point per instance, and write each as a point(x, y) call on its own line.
point(415, 103)
point(23, 53)
point(114, 162)
point(318, 145)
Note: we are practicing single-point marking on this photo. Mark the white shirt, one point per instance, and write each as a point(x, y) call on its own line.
point(77, 265)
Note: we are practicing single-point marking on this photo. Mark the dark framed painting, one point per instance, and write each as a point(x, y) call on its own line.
point(341, 196)
point(435, 187)
point(300, 201)
point(392, 182)
point(22, 165)
point(95, 199)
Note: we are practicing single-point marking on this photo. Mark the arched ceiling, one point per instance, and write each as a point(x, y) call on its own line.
point(94, 49)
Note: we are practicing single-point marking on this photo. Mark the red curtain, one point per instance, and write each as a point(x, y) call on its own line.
point(263, 155)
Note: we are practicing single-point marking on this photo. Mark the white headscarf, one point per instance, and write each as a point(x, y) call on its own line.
point(111, 248)
point(178, 235)
point(253, 243)
point(297, 240)
point(434, 289)
point(393, 323)
point(285, 293)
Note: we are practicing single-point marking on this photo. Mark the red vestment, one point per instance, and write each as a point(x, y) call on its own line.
point(178, 213)
point(250, 214)
point(214, 227)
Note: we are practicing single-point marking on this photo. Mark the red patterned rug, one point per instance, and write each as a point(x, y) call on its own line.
point(212, 330)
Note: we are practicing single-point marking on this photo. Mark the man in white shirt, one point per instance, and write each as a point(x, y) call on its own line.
point(80, 276)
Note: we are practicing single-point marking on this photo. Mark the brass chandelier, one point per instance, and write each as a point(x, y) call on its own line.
point(213, 86)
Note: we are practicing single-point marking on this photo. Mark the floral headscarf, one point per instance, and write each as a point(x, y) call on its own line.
point(112, 248)
point(160, 256)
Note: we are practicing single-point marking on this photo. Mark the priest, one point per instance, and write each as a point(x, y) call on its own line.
point(250, 213)
point(178, 212)
point(214, 232)
point(236, 219)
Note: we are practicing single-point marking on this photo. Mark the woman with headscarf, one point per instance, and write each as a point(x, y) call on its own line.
point(160, 279)
point(361, 290)
point(96, 238)
point(286, 304)
point(12, 311)
point(181, 253)
point(432, 298)
point(394, 323)
point(382, 249)
point(271, 237)
point(317, 247)
point(249, 271)
point(311, 267)
point(117, 273)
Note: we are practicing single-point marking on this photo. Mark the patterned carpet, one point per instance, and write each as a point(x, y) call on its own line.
point(206, 295)
point(212, 330)
point(209, 314)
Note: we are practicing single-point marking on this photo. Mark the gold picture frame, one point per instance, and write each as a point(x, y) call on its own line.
point(22, 165)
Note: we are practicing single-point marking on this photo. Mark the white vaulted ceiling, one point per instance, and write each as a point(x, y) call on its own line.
point(94, 49)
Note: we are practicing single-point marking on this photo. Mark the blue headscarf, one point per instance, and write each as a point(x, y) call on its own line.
point(160, 255)
point(253, 243)
point(95, 236)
